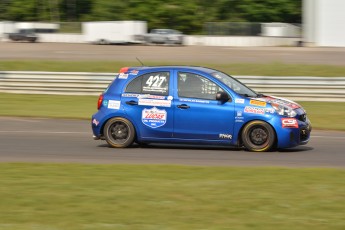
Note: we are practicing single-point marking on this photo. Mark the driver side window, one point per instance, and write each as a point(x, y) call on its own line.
point(195, 86)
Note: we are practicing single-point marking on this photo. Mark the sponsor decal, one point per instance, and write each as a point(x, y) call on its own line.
point(170, 98)
point(289, 123)
point(195, 100)
point(114, 104)
point(283, 101)
point(239, 101)
point(123, 76)
point(130, 95)
point(257, 103)
point(239, 116)
point(105, 103)
point(154, 117)
point(151, 96)
point(95, 122)
point(294, 106)
point(134, 72)
point(269, 110)
point(153, 102)
point(249, 109)
point(225, 136)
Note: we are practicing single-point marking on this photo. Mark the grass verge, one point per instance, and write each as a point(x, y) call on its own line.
point(323, 115)
point(76, 196)
point(52, 106)
point(271, 69)
point(326, 115)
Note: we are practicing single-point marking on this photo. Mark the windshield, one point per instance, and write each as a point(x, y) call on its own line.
point(234, 84)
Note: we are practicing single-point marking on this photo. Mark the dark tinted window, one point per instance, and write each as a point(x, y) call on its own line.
point(152, 83)
point(134, 86)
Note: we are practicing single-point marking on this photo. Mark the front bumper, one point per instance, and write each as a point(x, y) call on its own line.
point(291, 137)
point(305, 133)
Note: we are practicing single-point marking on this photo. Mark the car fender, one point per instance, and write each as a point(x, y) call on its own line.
point(270, 119)
point(285, 137)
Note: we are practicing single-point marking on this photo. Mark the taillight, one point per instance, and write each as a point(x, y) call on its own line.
point(124, 70)
point(100, 100)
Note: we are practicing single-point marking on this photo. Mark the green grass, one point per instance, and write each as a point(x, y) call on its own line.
point(54, 106)
point(326, 115)
point(77, 196)
point(271, 69)
point(323, 115)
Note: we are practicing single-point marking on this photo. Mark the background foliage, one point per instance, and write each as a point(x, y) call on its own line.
point(188, 16)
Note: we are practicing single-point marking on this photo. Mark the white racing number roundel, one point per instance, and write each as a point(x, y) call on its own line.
point(154, 117)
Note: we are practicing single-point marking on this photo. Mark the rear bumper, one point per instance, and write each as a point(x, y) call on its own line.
point(97, 122)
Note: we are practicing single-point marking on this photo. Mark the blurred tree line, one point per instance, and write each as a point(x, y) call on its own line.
point(188, 16)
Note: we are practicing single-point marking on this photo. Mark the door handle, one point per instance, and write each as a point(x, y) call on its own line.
point(131, 102)
point(183, 106)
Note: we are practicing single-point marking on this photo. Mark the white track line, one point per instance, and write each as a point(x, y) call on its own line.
point(45, 132)
point(333, 137)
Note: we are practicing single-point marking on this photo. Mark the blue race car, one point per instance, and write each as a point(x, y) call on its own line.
point(196, 105)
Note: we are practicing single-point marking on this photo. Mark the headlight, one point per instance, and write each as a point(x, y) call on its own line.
point(284, 110)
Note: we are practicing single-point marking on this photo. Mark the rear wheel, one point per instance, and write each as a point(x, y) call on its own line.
point(119, 132)
point(258, 136)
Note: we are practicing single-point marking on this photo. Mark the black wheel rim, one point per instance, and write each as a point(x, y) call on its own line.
point(119, 132)
point(259, 136)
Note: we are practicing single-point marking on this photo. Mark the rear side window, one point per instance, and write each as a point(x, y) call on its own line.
point(134, 86)
point(156, 83)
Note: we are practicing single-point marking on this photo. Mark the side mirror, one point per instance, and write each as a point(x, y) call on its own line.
point(222, 96)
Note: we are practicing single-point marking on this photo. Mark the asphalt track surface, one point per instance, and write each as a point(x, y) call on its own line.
point(57, 140)
point(176, 55)
point(49, 140)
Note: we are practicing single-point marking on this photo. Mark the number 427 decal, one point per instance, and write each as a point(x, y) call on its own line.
point(155, 81)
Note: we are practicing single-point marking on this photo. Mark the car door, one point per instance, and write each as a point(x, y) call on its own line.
point(147, 103)
point(155, 36)
point(197, 113)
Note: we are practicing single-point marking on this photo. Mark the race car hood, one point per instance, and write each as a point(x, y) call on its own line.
point(279, 101)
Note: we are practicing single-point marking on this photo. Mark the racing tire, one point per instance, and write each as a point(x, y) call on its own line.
point(119, 132)
point(258, 136)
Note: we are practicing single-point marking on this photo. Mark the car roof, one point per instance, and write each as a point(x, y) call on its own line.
point(161, 68)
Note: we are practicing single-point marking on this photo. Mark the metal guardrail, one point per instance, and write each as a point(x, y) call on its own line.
point(63, 83)
point(299, 88)
point(71, 83)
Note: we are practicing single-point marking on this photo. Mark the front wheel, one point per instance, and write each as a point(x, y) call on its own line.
point(258, 136)
point(119, 132)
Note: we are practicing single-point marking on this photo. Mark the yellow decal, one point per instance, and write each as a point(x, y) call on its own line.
point(258, 103)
